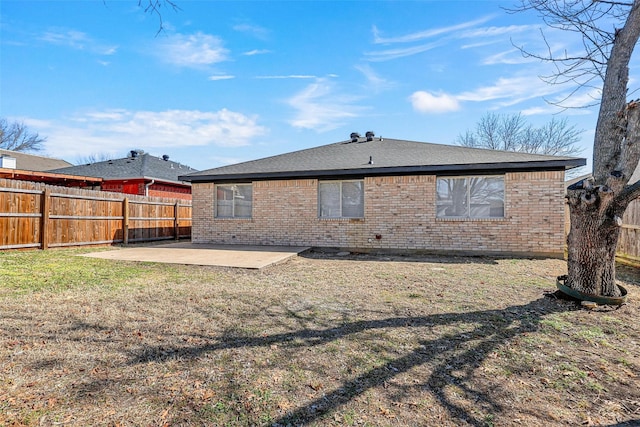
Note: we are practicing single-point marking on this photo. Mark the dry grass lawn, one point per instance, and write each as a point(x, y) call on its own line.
point(320, 340)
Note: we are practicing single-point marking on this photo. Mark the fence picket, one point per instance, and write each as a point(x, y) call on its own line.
point(36, 215)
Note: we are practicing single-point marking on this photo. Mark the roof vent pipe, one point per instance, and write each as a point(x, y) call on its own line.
point(370, 160)
point(370, 135)
point(354, 136)
point(165, 157)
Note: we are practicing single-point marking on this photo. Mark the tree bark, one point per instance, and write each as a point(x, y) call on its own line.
point(592, 243)
point(597, 205)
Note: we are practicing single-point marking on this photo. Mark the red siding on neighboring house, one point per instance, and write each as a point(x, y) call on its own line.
point(137, 186)
point(126, 187)
point(167, 190)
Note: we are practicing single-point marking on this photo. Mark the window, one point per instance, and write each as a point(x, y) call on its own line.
point(341, 199)
point(234, 201)
point(470, 197)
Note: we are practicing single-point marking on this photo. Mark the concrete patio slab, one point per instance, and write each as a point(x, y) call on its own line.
point(252, 257)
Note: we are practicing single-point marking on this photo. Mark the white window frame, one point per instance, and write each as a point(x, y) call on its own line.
point(469, 205)
point(236, 196)
point(341, 183)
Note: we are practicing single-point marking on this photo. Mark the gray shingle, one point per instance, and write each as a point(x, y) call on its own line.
point(144, 165)
point(382, 156)
point(32, 162)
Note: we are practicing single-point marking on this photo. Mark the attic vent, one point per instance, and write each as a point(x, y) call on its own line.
point(133, 153)
point(354, 136)
point(370, 135)
point(165, 157)
point(7, 162)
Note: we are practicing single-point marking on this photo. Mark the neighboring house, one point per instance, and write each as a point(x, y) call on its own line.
point(372, 193)
point(29, 167)
point(32, 162)
point(139, 173)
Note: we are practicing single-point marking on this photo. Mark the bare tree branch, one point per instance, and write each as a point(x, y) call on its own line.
point(17, 137)
point(155, 7)
point(512, 133)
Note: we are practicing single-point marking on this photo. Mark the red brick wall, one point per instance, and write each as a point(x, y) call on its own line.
point(399, 210)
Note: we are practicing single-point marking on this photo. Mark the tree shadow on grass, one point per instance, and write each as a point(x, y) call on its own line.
point(399, 256)
point(630, 423)
point(452, 357)
point(628, 274)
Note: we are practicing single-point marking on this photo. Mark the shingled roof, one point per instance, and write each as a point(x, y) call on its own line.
point(382, 156)
point(139, 166)
point(32, 162)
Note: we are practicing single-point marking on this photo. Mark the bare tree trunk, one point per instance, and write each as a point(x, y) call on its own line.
point(592, 243)
point(597, 205)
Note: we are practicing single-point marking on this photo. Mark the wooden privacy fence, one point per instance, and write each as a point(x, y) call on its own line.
point(35, 215)
point(629, 243)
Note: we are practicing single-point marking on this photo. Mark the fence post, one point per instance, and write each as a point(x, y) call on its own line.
point(44, 218)
point(125, 221)
point(176, 221)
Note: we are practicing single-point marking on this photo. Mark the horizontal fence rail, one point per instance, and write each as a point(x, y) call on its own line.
point(35, 215)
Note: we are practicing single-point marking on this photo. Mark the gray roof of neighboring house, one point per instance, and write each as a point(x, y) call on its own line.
point(140, 166)
point(32, 162)
point(382, 156)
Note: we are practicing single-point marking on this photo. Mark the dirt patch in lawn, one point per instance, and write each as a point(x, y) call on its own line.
point(319, 340)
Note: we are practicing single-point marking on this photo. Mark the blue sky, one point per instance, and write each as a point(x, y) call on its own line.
point(229, 81)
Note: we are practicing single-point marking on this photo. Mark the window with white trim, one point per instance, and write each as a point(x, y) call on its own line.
point(470, 197)
point(234, 201)
point(341, 199)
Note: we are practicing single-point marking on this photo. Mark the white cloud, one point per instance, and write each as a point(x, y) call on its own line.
point(508, 57)
point(77, 40)
point(480, 43)
point(540, 110)
point(222, 77)
point(511, 90)
point(474, 35)
point(114, 131)
point(425, 102)
point(498, 31)
point(421, 35)
point(256, 52)
point(227, 160)
point(389, 54)
point(290, 76)
point(194, 50)
point(255, 30)
point(99, 116)
point(374, 80)
point(580, 100)
point(575, 105)
point(319, 107)
point(444, 34)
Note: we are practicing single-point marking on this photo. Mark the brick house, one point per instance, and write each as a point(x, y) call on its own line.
point(369, 193)
point(139, 173)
